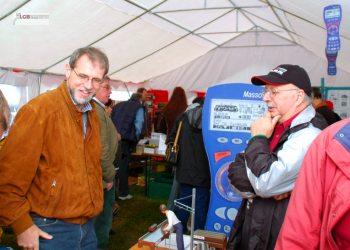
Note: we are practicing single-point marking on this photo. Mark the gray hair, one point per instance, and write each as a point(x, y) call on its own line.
point(307, 99)
point(94, 54)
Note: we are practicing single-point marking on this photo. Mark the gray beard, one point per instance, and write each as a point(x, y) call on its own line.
point(85, 100)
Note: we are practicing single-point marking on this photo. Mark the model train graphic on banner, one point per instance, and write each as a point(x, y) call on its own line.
point(229, 110)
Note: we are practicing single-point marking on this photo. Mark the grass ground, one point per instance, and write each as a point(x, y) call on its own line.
point(131, 222)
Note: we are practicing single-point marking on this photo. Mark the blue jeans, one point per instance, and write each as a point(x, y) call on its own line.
point(202, 203)
point(66, 235)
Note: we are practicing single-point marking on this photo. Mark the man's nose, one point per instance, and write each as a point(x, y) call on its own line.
point(267, 97)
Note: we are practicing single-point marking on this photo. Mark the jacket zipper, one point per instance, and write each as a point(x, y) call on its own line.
point(53, 187)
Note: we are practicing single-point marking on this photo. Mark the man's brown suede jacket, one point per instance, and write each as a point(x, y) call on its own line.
point(47, 168)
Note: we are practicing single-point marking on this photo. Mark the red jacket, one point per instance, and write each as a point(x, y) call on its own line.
point(321, 195)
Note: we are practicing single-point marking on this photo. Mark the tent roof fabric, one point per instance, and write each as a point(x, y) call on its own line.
point(160, 42)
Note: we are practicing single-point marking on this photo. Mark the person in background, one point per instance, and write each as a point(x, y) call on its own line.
point(173, 221)
point(165, 123)
point(115, 208)
point(5, 116)
point(146, 128)
point(176, 105)
point(143, 93)
point(109, 106)
point(192, 169)
point(265, 173)
point(318, 215)
point(51, 178)
point(331, 107)
point(322, 108)
point(109, 142)
point(128, 117)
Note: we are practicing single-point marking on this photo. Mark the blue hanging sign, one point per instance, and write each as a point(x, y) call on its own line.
point(331, 58)
point(332, 16)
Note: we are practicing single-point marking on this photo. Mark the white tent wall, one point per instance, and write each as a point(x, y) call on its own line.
point(26, 87)
point(225, 65)
point(166, 43)
point(29, 85)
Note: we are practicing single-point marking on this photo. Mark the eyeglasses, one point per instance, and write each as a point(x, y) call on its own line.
point(107, 87)
point(274, 92)
point(86, 78)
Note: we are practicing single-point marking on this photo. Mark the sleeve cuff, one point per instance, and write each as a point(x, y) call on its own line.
point(22, 224)
point(258, 136)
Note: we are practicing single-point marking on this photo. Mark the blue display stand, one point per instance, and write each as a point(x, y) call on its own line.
point(228, 112)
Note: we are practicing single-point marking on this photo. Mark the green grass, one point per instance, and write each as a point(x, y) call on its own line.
point(131, 222)
point(134, 218)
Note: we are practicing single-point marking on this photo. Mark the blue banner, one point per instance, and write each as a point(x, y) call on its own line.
point(228, 112)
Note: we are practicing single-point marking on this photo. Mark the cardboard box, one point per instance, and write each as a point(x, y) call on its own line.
point(159, 140)
point(149, 150)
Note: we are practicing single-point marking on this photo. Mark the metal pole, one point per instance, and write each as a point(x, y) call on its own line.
point(323, 89)
point(192, 215)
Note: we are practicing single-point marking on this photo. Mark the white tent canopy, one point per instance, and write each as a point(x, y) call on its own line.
point(161, 44)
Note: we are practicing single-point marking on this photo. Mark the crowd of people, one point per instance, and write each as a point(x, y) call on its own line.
point(66, 159)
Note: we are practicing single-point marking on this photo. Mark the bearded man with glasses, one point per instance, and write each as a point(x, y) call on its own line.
point(265, 173)
point(51, 181)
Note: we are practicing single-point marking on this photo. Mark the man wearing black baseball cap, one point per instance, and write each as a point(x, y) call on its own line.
point(285, 74)
point(267, 170)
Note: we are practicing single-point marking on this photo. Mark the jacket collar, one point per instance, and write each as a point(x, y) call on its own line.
point(97, 101)
point(339, 149)
point(304, 116)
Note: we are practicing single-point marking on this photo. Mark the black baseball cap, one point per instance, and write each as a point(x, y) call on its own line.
point(284, 74)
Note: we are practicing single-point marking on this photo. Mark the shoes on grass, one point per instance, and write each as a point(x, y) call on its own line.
point(123, 198)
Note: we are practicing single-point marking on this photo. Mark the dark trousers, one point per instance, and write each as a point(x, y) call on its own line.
point(126, 148)
point(202, 203)
point(103, 222)
point(174, 192)
point(179, 236)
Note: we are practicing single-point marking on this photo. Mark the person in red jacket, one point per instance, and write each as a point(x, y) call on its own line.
point(318, 215)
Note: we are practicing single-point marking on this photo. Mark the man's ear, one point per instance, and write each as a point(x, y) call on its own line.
point(300, 97)
point(68, 70)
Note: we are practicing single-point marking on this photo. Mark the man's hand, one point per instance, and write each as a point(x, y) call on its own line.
point(164, 228)
point(109, 185)
point(29, 239)
point(264, 125)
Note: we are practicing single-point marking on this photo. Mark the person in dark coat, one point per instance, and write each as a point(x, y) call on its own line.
point(192, 169)
point(322, 107)
point(128, 117)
